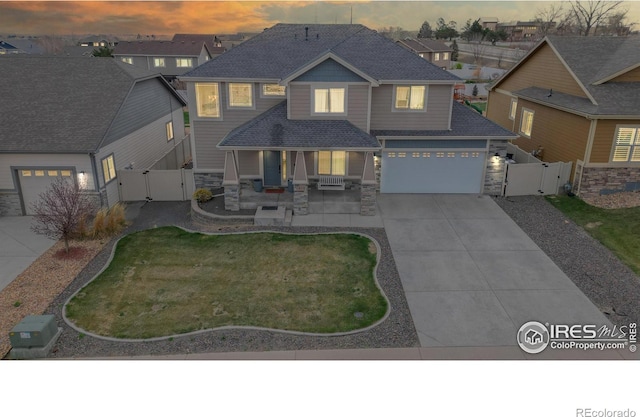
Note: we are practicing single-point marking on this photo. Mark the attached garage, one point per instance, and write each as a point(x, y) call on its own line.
point(33, 182)
point(433, 166)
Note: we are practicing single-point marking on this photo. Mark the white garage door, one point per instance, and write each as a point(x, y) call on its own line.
point(33, 182)
point(432, 171)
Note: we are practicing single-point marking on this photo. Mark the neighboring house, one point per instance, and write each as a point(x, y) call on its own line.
point(524, 31)
point(95, 41)
point(229, 41)
point(6, 49)
point(308, 104)
point(436, 52)
point(213, 43)
point(577, 98)
point(26, 45)
point(83, 119)
point(166, 57)
point(490, 23)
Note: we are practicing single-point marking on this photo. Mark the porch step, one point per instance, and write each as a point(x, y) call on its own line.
point(270, 216)
point(288, 218)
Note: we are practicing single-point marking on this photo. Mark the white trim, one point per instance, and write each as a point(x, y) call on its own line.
point(369, 93)
point(617, 74)
point(453, 92)
point(328, 87)
point(253, 97)
point(628, 162)
point(590, 139)
point(198, 116)
point(520, 131)
point(425, 97)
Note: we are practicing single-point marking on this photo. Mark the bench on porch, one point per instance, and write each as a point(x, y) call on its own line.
point(330, 182)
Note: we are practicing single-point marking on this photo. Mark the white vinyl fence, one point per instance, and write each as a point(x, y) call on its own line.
point(156, 185)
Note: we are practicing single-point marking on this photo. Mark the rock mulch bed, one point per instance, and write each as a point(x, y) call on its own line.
point(615, 201)
point(37, 286)
point(601, 276)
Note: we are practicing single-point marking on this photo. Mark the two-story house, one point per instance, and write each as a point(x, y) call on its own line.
point(436, 52)
point(576, 99)
point(308, 103)
point(166, 57)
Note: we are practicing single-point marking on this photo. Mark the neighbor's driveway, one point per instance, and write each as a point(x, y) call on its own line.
point(471, 276)
point(19, 247)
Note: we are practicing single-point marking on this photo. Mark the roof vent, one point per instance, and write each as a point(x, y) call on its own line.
point(306, 33)
point(317, 36)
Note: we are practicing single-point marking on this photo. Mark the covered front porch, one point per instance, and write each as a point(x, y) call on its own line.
point(320, 201)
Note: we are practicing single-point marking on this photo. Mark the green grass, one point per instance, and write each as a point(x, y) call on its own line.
point(167, 281)
point(617, 229)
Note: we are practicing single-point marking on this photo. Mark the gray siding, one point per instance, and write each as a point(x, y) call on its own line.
point(309, 160)
point(80, 162)
point(249, 163)
point(356, 163)
point(148, 101)
point(436, 117)
point(207, 133)
point(170, 68)
point(330, 71)
point(300, 107)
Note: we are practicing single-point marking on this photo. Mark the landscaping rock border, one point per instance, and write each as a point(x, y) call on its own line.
point(395, 332)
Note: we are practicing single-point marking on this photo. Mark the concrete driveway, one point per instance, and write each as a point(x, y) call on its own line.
point(19, 247)
point(471, 276)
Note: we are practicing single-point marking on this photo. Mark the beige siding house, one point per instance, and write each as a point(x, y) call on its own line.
point(302, 106)
point(58, 124)
point(576, 99)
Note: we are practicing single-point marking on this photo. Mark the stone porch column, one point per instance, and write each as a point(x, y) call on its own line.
point(368, 187)
point(300, 186)
point(231, 183)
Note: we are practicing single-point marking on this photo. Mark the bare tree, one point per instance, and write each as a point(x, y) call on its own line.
point(547, 19)
point(60, 209)
point(590, 14)
point(478, 49)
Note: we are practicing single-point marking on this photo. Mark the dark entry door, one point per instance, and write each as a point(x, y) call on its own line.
point(272, 164)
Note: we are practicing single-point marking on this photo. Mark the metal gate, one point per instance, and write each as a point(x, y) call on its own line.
point(536, 178)
point(155, 185)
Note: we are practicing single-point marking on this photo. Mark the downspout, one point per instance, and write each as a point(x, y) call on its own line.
point(94, 169)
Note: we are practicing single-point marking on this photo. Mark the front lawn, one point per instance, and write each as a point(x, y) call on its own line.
point(167, 281)
point(617, 229)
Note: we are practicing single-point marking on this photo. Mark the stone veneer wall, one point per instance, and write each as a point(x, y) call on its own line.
point(597, 181)
point(232, 197)
point(494, 174)
point(10, 204)
point(300, 199)
point(208, 219)
point(208, 180)
point(368, 200)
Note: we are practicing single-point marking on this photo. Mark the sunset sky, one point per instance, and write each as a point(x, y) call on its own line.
point(216, 17)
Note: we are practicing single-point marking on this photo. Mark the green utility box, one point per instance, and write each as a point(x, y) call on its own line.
point(33, 331)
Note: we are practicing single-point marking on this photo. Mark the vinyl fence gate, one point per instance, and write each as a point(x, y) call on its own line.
point(156, 185)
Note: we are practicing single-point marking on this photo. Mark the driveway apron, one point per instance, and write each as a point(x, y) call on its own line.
point(471, 276)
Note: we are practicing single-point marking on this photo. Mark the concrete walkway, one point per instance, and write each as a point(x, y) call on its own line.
point(471, 276)
point(19, 247)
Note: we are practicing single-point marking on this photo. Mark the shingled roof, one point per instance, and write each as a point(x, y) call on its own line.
point(272, 130)
point(62, 104)
point(160, 48)
point(285, 48)
point(425, 45)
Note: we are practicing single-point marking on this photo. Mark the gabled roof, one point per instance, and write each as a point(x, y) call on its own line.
point(209, 40)
point(56, 104)
point(593, 62)
point(7, 46)
point(465, 123)
point(160, 48)
point(285, 48)
point(273, 130)
point(425, 45)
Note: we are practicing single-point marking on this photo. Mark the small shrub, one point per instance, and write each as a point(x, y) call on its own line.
point(458, 66)
point(115, 220)
point(17, 304)
point(99, 227)
point(203, 195)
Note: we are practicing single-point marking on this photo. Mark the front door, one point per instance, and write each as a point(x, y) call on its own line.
point(272, 167)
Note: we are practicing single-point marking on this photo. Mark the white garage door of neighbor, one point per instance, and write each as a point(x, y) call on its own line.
point(33, 182)
point(429, 171)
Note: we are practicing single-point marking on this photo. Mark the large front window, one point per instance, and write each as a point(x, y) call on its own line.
point(332, 163)
point(627, 145)
point(410, 97)
point(329, 100)
point(240, 95)
point(207, 100)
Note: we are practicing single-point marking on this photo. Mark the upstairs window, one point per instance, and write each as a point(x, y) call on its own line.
point(240, 95)
point(169, 129)
point(410, 97)
point(329, 100)
point(127, 60)
point(526, 123)
point(445, 55)
point(158, 62)
point(273, 90)
point(207, 100)
point(184, 62)
point(627, 145)
point(436, 56)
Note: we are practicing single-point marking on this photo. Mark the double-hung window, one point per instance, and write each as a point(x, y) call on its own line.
point(241, 95)
point(158, 62)
point(273, 90)
point(329, 100)
point(332, 162)
point(108, 169)
point(184, 62)
point(627, 144)
point(409, 97)
point(526, 123)
point(207, 100)
point(512, 109)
